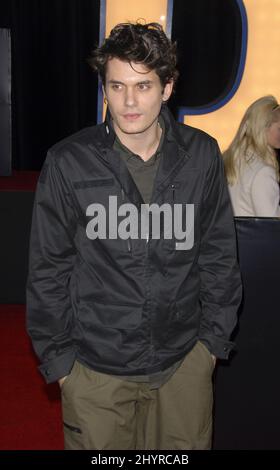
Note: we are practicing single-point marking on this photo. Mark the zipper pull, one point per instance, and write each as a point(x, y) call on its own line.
point(173, 192)
point(129, 245)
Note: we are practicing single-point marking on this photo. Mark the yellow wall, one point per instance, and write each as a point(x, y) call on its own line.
point(122, 11)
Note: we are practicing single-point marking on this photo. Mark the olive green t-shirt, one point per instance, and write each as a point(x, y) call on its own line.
point(142, 172)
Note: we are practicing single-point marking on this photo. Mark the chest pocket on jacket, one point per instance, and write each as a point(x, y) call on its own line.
point(94, 191)
point(187, 188)
point(184, 196)
point(97, 182)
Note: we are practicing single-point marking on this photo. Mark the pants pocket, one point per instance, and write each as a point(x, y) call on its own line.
point(74, 424)
point(207, 354)
point(69, 378)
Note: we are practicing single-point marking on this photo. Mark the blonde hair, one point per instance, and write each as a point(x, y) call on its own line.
point(251, 138)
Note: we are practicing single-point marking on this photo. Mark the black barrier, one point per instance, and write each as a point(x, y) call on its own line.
point(16, 213)
point(5, 103)
point(247, 412)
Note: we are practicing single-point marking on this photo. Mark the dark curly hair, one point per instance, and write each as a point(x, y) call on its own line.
point(145, 44)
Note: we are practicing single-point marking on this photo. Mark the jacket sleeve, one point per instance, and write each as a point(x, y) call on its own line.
point(220, 291)
point(51, 260)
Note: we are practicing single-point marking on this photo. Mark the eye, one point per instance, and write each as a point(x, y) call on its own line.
point(116, 86)
point(143, 86)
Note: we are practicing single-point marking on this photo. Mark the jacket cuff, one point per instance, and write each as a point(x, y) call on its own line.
point(58, 367)
point(217, 346)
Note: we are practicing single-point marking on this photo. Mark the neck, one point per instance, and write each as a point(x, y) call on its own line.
point(143, 144)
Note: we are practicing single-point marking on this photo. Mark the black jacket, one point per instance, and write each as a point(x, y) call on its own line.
point(129, 307)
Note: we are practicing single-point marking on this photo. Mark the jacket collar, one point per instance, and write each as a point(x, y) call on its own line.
point(173, 159)
point(172, 134)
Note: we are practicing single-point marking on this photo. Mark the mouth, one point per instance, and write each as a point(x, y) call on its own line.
point(131, 116)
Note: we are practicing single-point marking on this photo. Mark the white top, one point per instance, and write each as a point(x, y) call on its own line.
point(256, 193)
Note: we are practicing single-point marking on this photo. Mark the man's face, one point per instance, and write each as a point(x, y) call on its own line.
point(134, 96)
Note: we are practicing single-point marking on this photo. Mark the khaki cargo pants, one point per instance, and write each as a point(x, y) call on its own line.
point(104, 412)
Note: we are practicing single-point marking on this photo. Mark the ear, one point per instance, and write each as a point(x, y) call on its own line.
point(104, 95)
point(167, 91)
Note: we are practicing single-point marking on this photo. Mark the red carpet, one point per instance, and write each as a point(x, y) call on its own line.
point(29, 409)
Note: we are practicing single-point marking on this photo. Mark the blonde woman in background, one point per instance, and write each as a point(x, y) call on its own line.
point(251, 163)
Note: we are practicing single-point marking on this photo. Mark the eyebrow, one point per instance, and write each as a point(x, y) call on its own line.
point(142, 82)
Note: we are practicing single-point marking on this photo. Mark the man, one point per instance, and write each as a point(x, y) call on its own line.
point(129, 312)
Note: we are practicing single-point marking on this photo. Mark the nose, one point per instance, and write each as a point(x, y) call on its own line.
point(130, 97)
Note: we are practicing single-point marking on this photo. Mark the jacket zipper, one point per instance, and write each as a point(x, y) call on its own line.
point(128, 241)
